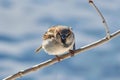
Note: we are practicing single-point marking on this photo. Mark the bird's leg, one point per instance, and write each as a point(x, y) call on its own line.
point(72, 51)
point(58, 58)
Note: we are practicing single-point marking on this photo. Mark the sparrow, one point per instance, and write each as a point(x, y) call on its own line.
point(58, 40)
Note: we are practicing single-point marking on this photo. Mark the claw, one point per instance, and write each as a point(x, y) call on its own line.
point(58, 58)
point(72, 53)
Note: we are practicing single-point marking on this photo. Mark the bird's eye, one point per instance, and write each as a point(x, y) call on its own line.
point(65, 32)
point(68, 34)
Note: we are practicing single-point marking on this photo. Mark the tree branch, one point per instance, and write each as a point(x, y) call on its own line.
point(63, 57)
point(102, 17)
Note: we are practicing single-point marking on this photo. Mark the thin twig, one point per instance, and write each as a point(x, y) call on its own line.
point(103, 19)
point(63, 57)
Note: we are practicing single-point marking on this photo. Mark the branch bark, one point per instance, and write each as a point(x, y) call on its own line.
point(63, 57)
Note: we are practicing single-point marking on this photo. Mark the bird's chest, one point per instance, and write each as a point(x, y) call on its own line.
point(53, 47)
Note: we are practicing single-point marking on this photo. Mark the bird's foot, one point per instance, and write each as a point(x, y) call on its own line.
point(72, 52)
point(58, 58)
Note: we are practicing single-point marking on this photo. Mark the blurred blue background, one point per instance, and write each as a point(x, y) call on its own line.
point(23, 22)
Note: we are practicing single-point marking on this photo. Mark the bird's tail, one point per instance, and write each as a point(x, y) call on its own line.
point(38, 49)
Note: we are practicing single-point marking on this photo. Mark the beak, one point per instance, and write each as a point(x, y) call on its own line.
point(63, 39)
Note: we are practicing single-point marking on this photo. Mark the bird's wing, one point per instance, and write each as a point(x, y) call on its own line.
point(38, 49)
point(74, 47)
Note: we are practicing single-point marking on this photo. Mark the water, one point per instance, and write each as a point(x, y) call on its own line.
point(23, 22)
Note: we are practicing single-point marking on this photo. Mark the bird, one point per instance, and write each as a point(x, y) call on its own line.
point(58, 40)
